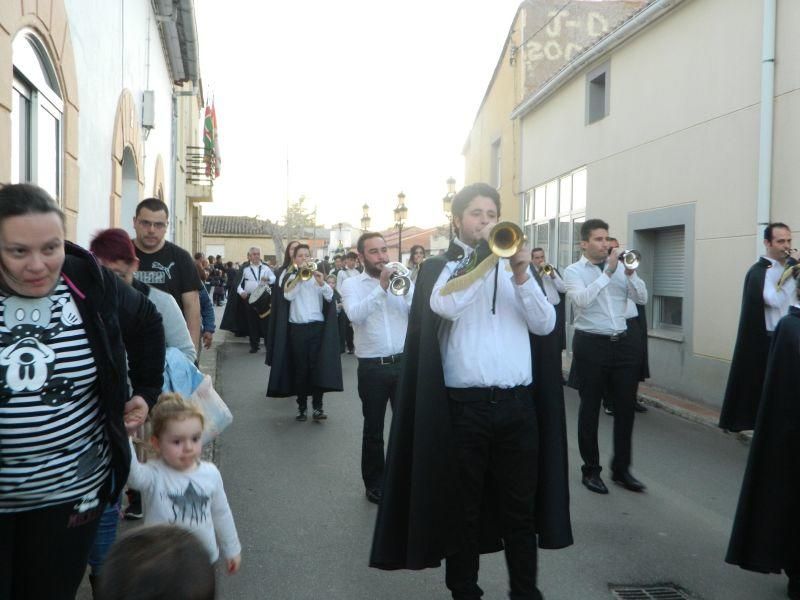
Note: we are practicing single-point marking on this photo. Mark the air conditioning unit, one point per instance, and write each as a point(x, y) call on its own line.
point(148, 110)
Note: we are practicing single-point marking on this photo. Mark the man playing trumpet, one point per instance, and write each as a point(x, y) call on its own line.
point(554, 289)
point(465, 452)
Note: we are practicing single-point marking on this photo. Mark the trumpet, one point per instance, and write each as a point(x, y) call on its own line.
point(506, 239)
point(630, 259)
point(307, 270)
point(400, 280)
point(546, 270)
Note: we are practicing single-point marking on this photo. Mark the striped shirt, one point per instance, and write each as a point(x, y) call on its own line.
point(53, 445)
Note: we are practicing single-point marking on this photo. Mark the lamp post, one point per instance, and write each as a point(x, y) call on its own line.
point(400, 214)
point(447, 203)
point(365, 220)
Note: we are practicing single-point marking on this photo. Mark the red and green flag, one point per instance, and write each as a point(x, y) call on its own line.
point(211, 142)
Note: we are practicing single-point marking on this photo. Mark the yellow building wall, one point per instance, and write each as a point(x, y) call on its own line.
point(236, 247)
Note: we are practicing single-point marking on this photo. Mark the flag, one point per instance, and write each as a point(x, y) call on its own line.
point(211, 142)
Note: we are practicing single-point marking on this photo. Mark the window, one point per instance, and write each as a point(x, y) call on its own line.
point(36, 117)
point(597, 88)
point(497, 159)
point(669, 277)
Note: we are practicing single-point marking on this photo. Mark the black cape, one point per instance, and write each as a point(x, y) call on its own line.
point(419, 518)
point(234, 317)
point(746, 377)
point(328, 374)
point(766, 530)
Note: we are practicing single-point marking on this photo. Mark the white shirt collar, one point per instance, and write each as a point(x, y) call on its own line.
point(465, 247)
point(774, 262)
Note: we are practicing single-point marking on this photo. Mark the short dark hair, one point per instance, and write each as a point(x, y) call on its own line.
point(338, 257)
point(298, 247)
point(589, 226)
point(468, 193)
point(367, 235)
point(537, 249)
point(112, 245)
point(613, 239)
point(153, 205)
point(157, 561)
point(198, 255)
point(352, 255)
point(777, 225)
point(19, 199)
point(287, 255)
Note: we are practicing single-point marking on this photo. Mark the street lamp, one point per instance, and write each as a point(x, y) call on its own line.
point(365, 220)
point(447, 203)
point(400, 214)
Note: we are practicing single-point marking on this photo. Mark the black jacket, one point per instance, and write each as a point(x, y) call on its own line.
point(740, 406)
point(119, 322)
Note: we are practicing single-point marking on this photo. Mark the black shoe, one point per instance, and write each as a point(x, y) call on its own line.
point(133, 512)
point(319, 415)
point(594, 484)
point(253, 350)
point(301, 416)
point(639, 407)
point(793, 589)
point(375, 496)
point(608, 411)
point(628, 481)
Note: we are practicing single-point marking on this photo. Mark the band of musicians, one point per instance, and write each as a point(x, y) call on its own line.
point(465, 359)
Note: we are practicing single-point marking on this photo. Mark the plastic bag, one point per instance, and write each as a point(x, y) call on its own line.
point(217, 414)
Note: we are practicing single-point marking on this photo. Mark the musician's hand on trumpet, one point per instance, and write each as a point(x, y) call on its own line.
point(319, 278)
point(520, 264)
point(386, 275)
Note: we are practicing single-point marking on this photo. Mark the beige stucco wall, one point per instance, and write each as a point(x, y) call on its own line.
point(236, 247)
point(684, 128)
point(493, 122)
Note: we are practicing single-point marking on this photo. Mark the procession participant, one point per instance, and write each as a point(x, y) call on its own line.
point(380, 320)
point(765, 530)
point(279, 308)
point(73, 335)
point(763, 304)
point(254, 274)
point(341, 316)
point(461, 472)
point(416, 256)
point(349, 270)
point(555, 291)
point(307, 340)
point(164, 265)
point(605, 356)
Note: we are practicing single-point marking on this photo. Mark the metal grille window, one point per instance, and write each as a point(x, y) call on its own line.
point(669, 277)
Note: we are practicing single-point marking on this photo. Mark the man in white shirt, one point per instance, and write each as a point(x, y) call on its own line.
point(343, 275)
point(554, 289)
point(254, 273)
point(763, 305)
point(379, 320)
point(604, 355)
point(465, 450)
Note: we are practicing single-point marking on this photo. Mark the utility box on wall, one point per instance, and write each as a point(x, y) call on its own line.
point(148, 109)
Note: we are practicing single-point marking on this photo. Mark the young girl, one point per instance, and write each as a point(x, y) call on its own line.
point(180, 489)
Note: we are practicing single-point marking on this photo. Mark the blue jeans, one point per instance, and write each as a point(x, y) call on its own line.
point(104, 539)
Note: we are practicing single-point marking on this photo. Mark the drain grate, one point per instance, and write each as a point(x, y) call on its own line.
point(662, 591)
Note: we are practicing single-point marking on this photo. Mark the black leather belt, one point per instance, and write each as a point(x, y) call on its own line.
point(492, 394)
point(611, 338)
point(383, 360)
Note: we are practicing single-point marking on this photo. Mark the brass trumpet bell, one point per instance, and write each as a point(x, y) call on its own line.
point(399, 281)
point(547, 270)
point(631, 259)
point(506, 239)
point(307, 271)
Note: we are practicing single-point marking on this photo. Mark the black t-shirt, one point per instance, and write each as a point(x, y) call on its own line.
point(171, 270)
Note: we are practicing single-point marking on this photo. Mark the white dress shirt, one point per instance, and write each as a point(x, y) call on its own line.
point(776, 302)
point(600, 301)
point(379, 318)
point(553, 286)
point(481, 349)
point(253, 275)
point(344, 275)
point(306, 300)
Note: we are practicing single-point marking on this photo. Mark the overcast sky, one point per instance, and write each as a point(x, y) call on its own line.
point(367, 98)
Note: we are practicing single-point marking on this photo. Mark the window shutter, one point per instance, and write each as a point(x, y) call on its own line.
point(669, 273)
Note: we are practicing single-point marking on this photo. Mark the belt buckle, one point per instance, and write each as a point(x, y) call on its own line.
point(614, 338)
point(387, 360)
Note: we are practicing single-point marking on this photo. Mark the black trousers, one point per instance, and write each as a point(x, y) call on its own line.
point(43, 553)
point(256, 327)
point(305, 341)
point(348, 334)
point(496, 437)
point(613, 368)
point(634, 328)
point(377, 383)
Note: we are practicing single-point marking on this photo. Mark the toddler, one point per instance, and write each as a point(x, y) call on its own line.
point(178, 488)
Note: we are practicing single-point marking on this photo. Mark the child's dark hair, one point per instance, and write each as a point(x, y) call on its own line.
point(155, 562)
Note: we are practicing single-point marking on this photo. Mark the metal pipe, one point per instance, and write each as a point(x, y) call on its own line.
point(766, 127)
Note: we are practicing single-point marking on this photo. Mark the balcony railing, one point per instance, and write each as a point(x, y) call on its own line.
point(196, 167)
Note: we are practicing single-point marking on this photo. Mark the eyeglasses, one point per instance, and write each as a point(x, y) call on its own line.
point(152, 224)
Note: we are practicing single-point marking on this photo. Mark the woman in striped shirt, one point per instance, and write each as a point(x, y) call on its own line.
point(66, 326)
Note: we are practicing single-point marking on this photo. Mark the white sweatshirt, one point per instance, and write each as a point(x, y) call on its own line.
point(192, 499)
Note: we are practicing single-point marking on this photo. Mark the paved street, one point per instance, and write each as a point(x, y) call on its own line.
point(306, 527)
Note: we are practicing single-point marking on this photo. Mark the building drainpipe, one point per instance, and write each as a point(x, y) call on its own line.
point(766, 127)
point(173, 200)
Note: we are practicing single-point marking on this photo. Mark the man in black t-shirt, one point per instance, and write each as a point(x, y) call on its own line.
point(164, 265)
